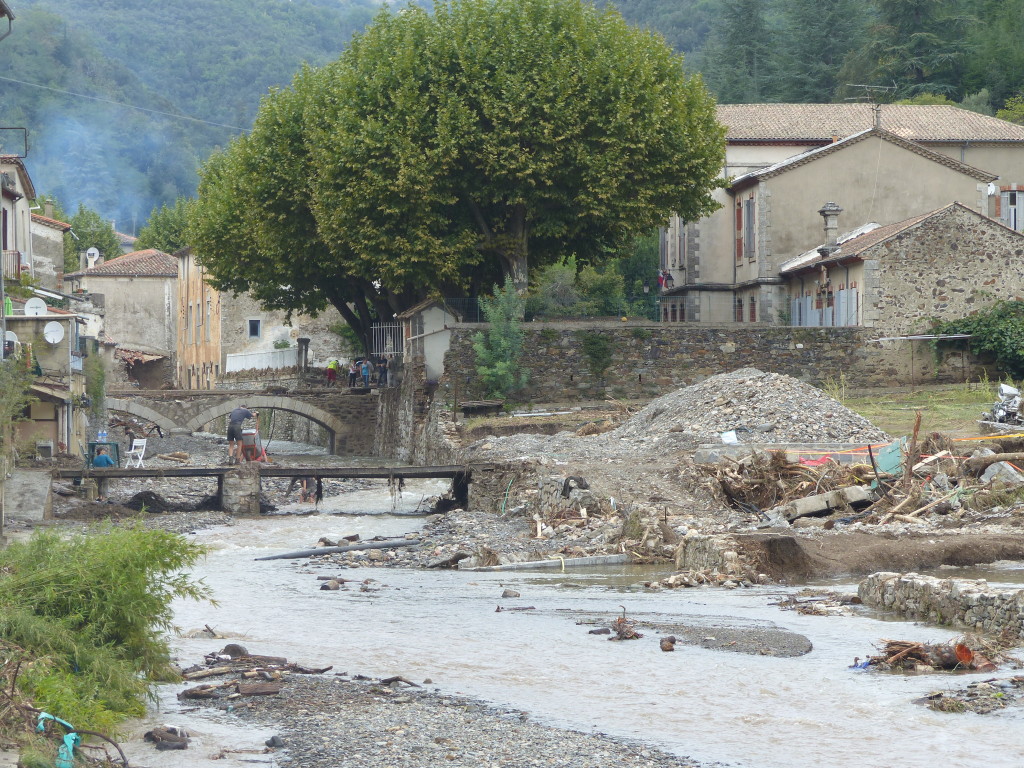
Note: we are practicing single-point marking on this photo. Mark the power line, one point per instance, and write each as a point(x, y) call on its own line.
point(122, 104)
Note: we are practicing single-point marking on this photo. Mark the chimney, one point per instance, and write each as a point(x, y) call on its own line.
point(48, 209)
point(830, 213)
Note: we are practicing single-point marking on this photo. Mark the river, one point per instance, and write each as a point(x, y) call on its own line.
point(713, 706)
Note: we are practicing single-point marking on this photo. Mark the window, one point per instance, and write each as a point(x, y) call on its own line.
point(254, 329)
point(753, 309)
point(739, 231)
point(209, 312)
point(739, 311)
point(748, 227)
point(1012, 209)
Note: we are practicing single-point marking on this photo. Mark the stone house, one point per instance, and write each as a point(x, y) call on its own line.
point(223, 334)
point(885, 163)
point(136, 296)
point(943, 264)
point(48, 249)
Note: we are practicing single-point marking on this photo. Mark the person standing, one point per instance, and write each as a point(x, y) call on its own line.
point(353, 373)
point(332, 373)
point(235, 419)
point(365, 369)
point(102, 459)
point(382, 372)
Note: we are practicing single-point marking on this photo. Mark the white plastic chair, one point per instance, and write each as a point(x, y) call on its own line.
point(134, 456)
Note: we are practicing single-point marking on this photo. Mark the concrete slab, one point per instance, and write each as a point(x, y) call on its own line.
point(28, 495)
point(844, 453)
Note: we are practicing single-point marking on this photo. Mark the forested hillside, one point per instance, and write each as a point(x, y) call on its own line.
point(207, 59)
point(214, 59)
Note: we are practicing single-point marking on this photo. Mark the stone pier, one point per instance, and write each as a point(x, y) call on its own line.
point(239, 491)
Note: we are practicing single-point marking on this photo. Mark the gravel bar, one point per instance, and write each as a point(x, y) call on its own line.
point(335, 722)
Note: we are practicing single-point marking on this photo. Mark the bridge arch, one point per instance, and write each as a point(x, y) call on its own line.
point(144, 412)
point(314, 413)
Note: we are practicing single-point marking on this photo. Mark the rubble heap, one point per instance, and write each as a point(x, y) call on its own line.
point(762, 407)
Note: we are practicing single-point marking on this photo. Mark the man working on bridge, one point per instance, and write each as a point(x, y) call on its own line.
point(235, 419)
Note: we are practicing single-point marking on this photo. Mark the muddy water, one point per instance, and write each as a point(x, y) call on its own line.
point(710, 705)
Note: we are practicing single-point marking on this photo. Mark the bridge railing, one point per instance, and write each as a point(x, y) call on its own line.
point(274, 359)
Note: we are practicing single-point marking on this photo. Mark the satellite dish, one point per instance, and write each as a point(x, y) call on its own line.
point(35, 306)
point(53, 332)
point(92, 255)
point(11, 336)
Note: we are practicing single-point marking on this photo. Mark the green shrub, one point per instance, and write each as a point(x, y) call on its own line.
point(996, 332)
point(499, 350)
point(597, 348)
point(90, 613)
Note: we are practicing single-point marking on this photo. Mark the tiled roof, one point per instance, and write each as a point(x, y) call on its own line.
point(819, 152)
point(125, 239)
point(822, 122)
point(148, 263)
point(858, 245)
point(63, 226)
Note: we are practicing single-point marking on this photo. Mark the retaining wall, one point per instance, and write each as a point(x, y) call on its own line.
point(965, 603)
point(650, 359)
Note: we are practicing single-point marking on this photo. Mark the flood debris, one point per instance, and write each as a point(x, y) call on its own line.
point(705, 578)
point(981, 698)
point(254, 675)
point(910, 656)
point(167, 737)
point(624, 629)
point(912, 481)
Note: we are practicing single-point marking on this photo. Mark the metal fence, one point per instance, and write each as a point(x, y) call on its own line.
point(840, 309)
point(386, 339)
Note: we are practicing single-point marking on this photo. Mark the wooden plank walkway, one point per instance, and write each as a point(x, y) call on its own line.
point(270, 470)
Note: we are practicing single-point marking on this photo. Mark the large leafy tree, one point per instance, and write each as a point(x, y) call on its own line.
point(90, 230)
point(446, 148)
point(165, 229)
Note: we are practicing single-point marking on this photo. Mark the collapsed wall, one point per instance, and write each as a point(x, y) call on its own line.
point(966, 603)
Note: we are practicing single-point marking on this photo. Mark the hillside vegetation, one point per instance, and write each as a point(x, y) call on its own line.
point(213, 60)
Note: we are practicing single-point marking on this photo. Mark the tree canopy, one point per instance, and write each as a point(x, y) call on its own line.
point(165, 229)
point(90, 231)
point(449, 149)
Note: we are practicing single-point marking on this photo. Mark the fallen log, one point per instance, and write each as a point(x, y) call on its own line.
point(260, 689)
point(211, 672)
point(397, 679)
point(391, 544)
point(979, 464)
point(172, 457)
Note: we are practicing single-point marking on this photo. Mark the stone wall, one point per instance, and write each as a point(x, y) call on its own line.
point(414, 424)
point(955, 602)
point(950, 265)
point(649, 359)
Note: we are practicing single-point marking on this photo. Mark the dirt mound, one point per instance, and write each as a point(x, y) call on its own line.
point(148, 500)
point(761, 407)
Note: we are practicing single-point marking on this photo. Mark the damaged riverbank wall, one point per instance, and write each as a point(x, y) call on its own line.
point(639, 359)
point(966, 603)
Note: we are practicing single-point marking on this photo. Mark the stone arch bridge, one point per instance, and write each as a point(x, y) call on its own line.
point(349, 419)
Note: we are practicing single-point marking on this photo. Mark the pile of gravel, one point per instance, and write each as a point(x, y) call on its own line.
point(764, 407)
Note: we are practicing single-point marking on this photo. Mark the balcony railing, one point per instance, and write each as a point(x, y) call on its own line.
point(15, 262)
